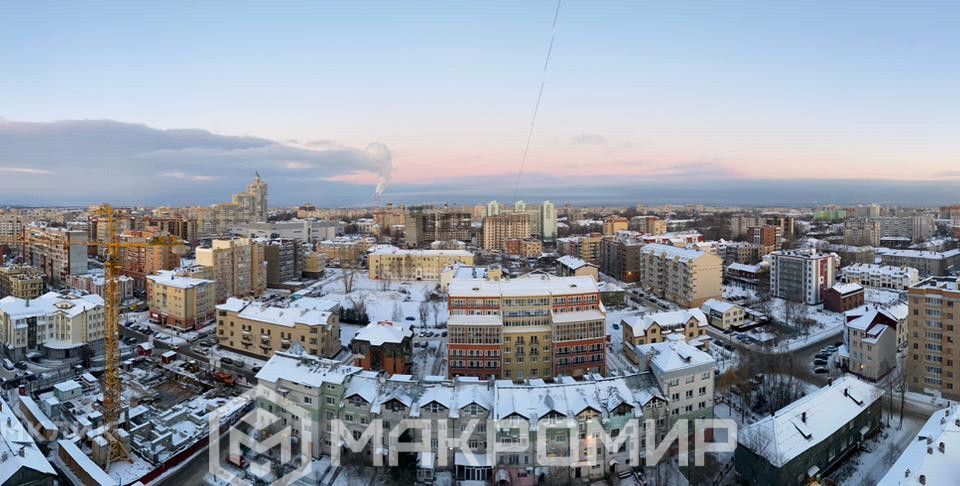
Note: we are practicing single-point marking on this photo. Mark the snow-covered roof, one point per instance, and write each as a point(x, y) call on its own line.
point(785, 435)
point(304, 369)
point(922, 254)
point(682, 254)
point(67, 386)
point(48, 304)
point(84, 462)
point(378, 333)
point(880, 270)
point(924, 457)
point(169, 278)
point(308, 311)
point(18, 448)
point(571, 262)
point(474, 320)
point(720, 306)
point(529, 285)
point(535, 399)
point(579, 316)
point(743, 267)
point(388, 250)
point(847, 288)
point(666, 319)
point(677, 355)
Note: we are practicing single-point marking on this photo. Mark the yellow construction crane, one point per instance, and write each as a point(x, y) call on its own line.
point(111, 387)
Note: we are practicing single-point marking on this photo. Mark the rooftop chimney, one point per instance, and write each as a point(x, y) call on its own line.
point(803, 417)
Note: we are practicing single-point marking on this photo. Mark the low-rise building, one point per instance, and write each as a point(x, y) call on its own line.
point(871, 338)
point(314, 265)
point(688, 326)
point(809, 438)
point(724, 315)
point(571, 266)
point(843, 297)
point(384, 346)
point(56, 324)
point(182, 303)
point(880, 276)
point(23, 462)
point(392, 263)
point(930, 458)
point(260, 328)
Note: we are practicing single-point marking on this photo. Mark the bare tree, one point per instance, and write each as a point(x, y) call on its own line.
point(424, 310)
point(350, 268)
point(397, 312)
point(435, 305)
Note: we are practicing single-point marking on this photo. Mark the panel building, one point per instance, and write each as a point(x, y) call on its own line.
point(237, 265)
point(933, 344)
point(802, 275)
point(686, 277)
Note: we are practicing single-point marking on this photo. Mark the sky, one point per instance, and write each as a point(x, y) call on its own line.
point(181, 101)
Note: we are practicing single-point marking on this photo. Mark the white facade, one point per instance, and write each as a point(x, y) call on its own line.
point(802, 275)
point(880, 276)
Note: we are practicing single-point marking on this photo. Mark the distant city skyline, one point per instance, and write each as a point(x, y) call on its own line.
point(797, 103)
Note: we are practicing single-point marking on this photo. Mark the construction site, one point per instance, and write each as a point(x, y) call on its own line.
point(128, 417)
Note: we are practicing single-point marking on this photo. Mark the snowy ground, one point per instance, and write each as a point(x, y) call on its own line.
point(826, 325)
point(880, 296)
point(868, 466)
point(616, 360)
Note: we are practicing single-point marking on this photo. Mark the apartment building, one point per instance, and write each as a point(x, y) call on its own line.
point(548, 221)
point(21, 281)
point(245, 207)
point(880, 276)
point(95, 283)
point(55, 324)
point(306, 231)
point(613, 224)
point(539, 326)
point(182, 303)
point(742, 252)
point(620, 258)
point(384, 346)
point(460, 271)
point(584, 247)
point(183, 228)
point(261, 328)
point(284, 258)
point(392, 263)
point(861, 232)
point(686, 277)
point(689, 325)
point(685, 375)
point(740, 224)
point(498, 229)
point(345, 250)
point(357, 398)
point(523, 247)
point(423, 226)
point(237, 266)
point(766, 236)
point(928, 263)
point(58, 253)
point(139, 261)
point(843, 297)
point(648, 225)
point(802, 275)
point(933, 344)
point(314, 265)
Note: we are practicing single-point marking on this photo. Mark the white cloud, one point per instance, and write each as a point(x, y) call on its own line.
point(25, 170)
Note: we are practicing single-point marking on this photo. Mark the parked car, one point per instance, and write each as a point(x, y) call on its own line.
point(409, 318)
point(257, 368)
point(130, 340)
point(820, 370)
point(21, 365)
point(616, 326)
point(226, 361)
point(819, 362)
point(444, 333)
